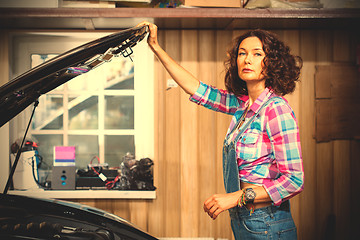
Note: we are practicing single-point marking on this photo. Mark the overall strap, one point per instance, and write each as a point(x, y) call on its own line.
point(253, 117)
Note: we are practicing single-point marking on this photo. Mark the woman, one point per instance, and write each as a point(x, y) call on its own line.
point(262, 160)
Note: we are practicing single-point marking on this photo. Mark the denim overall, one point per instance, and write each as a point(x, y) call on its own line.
point(270, 222)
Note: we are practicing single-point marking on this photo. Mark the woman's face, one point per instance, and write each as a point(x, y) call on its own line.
point(250, 59)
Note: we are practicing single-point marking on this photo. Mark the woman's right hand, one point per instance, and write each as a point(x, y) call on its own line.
point(152, 38)
point(181, 76)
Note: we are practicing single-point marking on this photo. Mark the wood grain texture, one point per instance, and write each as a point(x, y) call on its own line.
point(355, 187)
point(190, 204)
point(342, 208)
point(342, 189)
point(292, 39)
point(207, 133)
point(307, 226)
point(172, 144)
point(139, 213)
point(324, 156)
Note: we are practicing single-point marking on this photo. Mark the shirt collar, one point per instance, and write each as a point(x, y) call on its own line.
point(244, 98)
point(264, 96)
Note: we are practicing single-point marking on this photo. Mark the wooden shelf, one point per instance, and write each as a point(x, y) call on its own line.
point(86, 194)
point(175, 18)
point(179, 13)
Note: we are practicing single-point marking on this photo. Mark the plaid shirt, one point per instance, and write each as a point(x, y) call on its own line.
point(269, 152)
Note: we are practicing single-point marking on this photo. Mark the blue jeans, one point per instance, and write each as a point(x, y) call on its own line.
point(265, 223)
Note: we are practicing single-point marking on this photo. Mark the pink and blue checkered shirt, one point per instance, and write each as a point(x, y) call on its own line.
point(269, 152)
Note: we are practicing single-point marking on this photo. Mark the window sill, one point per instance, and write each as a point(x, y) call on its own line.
point(85, 194)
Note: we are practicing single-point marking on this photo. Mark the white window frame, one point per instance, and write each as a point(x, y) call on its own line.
point(25, 44)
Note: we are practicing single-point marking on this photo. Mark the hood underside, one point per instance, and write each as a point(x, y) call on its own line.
point(24, 90)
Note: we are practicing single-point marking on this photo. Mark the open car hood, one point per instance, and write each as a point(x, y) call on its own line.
point(25, 89)
point(43, 219)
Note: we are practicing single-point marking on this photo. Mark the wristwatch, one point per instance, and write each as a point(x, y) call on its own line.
point(250, 195)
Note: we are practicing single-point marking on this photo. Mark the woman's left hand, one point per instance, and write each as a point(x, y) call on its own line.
point(218, 203)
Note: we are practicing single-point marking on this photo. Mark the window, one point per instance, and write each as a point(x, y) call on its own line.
point(106, 112)
point(92, 110)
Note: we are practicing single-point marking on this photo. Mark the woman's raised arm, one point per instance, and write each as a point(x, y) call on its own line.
point(180, 75)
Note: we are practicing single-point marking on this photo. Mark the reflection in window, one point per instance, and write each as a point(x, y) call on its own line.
point(49, 113)
point(116, 148)
point(37, 59)
point(119, 112)
point(83, 112)
point(121, 79)
point(86, 148)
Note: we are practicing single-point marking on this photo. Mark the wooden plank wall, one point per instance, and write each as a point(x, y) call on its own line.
point(188, 142)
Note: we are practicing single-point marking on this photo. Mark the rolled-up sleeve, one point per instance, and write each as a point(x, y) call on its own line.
point(215, 99)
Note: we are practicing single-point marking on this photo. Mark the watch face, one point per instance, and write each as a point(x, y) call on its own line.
point(250, 194)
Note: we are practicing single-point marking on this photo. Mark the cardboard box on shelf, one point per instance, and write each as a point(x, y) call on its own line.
point(213, 3)
point(300, 0)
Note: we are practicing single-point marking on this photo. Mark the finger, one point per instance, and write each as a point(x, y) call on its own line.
point(207, 208)
point(143, 23)
point(153, 30)
point(216, 213)
point(208, 205)
point(207, 201)
point(211, 211)
point(213, 208)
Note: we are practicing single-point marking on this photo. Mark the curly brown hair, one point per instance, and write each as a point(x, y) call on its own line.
point(281, 68)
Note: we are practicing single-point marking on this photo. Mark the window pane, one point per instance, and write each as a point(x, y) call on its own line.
point(119, 112)
point(83, 112)
point(116, 74)
point(116, 148)
point(120, 74)
point(37, 59)
point(87, 147)
point(87, 81)
point(49, 113)
point(46, 147)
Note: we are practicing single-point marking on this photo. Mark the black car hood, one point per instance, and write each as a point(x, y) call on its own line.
point(31, 218)
point(24, 90)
